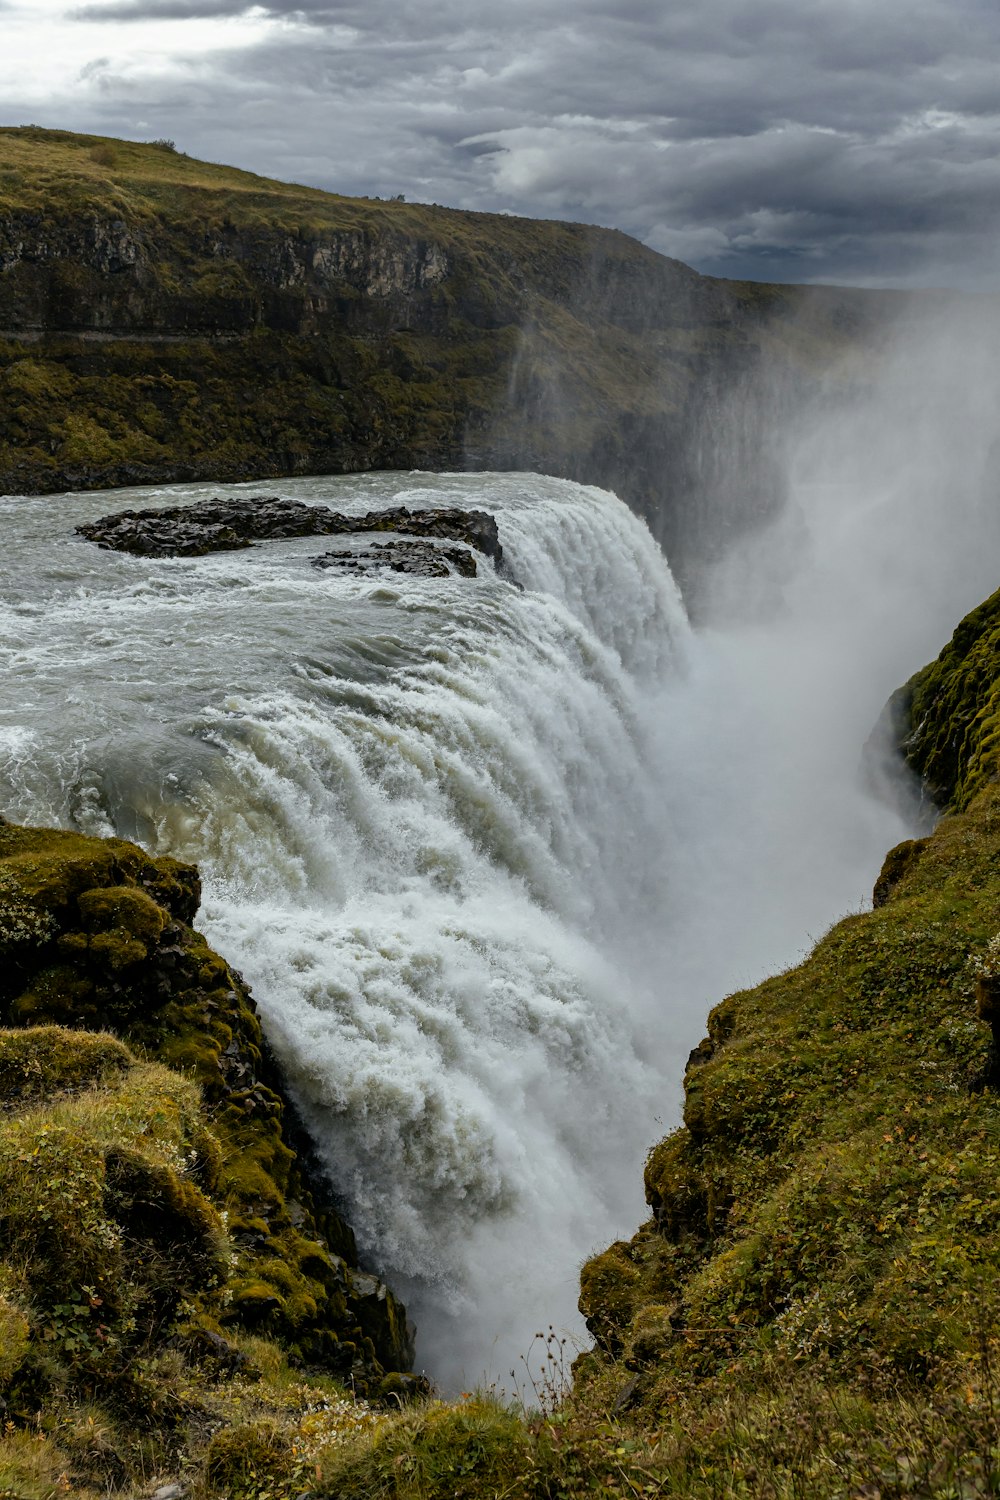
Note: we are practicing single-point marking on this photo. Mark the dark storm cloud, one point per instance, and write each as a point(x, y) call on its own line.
point(854, 139)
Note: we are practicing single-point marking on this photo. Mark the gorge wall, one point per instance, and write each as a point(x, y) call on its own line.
point(830, 1200)
point(164, 319)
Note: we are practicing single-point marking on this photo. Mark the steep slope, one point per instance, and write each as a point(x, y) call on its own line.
point(160, 1227)
point(162, 318)
point(832, 1197)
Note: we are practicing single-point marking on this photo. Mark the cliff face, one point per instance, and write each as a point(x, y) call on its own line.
point(165, 319)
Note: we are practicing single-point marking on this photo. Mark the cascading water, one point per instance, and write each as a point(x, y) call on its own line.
point(487, 857)
point(420, 809)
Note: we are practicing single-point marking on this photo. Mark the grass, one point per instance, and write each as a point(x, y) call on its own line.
point(169, 1270)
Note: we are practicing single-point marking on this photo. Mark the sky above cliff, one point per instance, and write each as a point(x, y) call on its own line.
point(855, 141)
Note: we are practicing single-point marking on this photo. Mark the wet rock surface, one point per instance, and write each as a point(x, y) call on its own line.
point(420, 559)
point(226, 525)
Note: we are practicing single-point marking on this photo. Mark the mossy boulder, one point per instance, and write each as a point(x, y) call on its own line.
point(99, 936)
point(41, 1062)
point(948, 714)
point(466, 1451)
point(104, 1235)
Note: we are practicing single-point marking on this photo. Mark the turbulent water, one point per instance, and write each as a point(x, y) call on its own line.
point(486, 856)
point(419, 809)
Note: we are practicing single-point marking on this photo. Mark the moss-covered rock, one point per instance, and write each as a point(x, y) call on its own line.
point(466, 1451)
point(41, 1062)
point(948, 714)
point(833, 1193)
point(98, 935)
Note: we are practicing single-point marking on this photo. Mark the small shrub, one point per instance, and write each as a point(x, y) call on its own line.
point(104, 155)
point(240, 1459)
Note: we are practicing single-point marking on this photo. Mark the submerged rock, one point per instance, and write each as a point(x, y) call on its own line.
point(230, 523)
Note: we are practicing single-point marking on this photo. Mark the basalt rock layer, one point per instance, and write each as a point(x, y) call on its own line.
point(163, 319)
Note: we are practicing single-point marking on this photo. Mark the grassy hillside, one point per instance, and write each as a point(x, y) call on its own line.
point(163, 318)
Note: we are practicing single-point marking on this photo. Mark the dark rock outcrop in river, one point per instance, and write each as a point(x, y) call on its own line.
point(226, 525)
point(419, 559)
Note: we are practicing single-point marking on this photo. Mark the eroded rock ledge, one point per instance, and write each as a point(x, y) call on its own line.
point(229, 524)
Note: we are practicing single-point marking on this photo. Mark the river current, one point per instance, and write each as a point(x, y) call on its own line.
point(486, 856)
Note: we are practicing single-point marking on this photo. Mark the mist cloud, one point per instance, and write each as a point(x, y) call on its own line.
point(794, 139)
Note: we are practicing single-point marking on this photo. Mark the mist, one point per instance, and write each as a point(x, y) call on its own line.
point(770, 796)
point(780, 810)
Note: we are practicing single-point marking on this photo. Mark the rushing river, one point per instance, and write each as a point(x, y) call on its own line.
point(486, 856)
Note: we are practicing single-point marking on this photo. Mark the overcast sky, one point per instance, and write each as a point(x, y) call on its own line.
point(855, 141)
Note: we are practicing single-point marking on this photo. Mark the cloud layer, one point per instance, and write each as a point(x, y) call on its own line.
point(808, 140)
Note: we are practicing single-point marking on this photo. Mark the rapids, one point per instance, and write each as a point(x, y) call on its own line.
point(418, 807)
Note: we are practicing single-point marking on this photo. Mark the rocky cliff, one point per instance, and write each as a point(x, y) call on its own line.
point(161, 318)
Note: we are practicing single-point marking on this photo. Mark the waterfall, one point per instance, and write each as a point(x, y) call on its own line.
point(422, 812)
point(488, 855)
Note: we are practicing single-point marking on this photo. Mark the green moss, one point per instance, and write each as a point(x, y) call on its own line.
point(437, 1452)
point(42, 1061)
point(949, 713)
point(240, 1458)
point(14, 1334)
point(114, 949)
